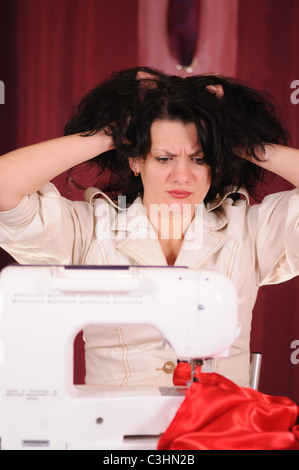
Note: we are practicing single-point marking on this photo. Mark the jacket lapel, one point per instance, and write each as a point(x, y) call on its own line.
point(145, 252)
point(205, 235)
point(196, 251)
point(138, 238)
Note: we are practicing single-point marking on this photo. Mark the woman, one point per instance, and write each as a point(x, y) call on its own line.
point(193, 148)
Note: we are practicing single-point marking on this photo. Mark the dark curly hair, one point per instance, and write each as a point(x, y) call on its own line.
point(243, 120)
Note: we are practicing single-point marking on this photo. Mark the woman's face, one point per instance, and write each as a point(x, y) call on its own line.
point(174, 172)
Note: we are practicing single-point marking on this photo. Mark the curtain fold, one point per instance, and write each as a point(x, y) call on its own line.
point(216, 50)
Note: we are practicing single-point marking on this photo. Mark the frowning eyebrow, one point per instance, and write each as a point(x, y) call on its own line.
point(171, 154)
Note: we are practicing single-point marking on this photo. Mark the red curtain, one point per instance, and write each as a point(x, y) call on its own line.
point(53, 51)
point(268, 44)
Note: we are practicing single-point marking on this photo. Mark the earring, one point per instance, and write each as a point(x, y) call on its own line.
point(136, 173)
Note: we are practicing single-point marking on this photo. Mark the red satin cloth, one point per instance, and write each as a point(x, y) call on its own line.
point(219, 415)
point(182, 374)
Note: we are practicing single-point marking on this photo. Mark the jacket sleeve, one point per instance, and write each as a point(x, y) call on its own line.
point(274, 227)
point(46, 228)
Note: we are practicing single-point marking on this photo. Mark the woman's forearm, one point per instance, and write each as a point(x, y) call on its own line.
point(283, 161)
point(25, 170)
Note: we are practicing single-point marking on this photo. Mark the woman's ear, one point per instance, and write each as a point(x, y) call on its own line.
point(134, 165)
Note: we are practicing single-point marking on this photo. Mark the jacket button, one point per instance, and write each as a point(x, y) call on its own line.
point(168, 367)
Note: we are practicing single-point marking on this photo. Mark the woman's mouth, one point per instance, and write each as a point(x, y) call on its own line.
point(179, 194)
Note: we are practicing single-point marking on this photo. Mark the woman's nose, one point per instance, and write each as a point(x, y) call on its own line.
point(181, 171)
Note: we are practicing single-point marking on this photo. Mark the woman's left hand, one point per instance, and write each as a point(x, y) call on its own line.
point(281, 160)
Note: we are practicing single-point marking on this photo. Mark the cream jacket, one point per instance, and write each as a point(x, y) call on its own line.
point(252, 245)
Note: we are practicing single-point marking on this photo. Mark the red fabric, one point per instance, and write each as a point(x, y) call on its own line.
point(218, 415)
point(182, 374)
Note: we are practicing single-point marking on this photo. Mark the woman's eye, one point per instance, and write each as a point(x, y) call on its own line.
point(199, 160)
point(163, 159)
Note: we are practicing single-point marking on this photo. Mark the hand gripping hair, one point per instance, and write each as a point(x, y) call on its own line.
point(231, 119)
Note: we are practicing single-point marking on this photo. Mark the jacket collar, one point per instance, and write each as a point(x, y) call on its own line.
point(221, 197)
point(138, 240)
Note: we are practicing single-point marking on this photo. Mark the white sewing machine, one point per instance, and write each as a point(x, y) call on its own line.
point(43, 308)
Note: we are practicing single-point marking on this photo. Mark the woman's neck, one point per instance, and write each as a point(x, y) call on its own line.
point(171, 249)
point(170, 224)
